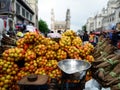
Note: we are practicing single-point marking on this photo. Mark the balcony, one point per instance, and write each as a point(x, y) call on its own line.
point(26, 1)
point(26, 5)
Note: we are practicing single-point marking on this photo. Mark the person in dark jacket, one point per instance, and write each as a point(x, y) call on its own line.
point(114, 38)
point(85, 36)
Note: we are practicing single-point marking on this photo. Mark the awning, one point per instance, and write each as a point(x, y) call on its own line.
point(108, 31)
point(96, 32)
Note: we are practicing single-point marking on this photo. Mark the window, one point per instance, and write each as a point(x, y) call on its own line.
point(104, 20)
point(119, 15)
point(27, 15)
point(107, 20)
point(99, 23)
point(17, 9)
point(3, 4)
point(112, 18)
point(30, 17)
point(57, 27)
point(23, 12)
point(36, 16)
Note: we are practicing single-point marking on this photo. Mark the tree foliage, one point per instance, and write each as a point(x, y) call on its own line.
point(78, 31)
point(84, 27)
point(43, 27)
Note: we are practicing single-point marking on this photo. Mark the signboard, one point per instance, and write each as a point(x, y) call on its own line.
point(5, 6)
point(4, 16)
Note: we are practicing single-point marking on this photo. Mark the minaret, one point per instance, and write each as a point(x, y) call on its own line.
point(68, 19)
point(52, 19)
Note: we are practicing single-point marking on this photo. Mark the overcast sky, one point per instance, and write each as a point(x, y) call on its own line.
point(80, 10)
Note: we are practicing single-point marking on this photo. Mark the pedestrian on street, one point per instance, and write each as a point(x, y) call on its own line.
point(92, 38)
point(85, 37)
point(114, 39)
point(95, 39)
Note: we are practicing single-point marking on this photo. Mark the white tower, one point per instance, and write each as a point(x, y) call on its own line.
point(52, 19)
point(68, 19)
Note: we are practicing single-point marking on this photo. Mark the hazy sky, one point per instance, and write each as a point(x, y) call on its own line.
point(80, 10)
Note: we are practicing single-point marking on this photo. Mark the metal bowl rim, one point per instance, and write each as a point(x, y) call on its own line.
point(76, 60)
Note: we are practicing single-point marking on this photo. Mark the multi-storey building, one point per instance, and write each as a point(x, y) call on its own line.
point(21, 11)
point(109, 21)
point(34, 5)
point(117, 14)
point(107, 18)
point(98, 22)
point(90, 24)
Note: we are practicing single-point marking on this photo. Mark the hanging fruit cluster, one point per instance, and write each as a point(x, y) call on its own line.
point(40, 49)
point(14, 54)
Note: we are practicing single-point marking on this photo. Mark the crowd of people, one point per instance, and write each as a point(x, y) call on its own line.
point(92, 37)
point(19, 31)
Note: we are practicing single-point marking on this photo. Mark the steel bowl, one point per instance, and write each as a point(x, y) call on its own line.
point(74, 67)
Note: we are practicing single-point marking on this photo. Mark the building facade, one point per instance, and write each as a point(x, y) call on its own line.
point(21, 11)
point(107, 18)
point(90, 24)
point(34, 5)
point(98, 22)
point(117, 14)
point(109, 21)
point(60, 25)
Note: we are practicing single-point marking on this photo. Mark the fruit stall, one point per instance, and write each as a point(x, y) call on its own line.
point(39, 55)
point(36, 54)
